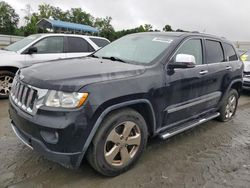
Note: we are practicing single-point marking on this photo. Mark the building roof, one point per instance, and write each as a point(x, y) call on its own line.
point(48, 23)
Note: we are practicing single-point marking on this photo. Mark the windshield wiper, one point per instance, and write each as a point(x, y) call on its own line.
point(5, 49)
point(94, 56)
point(112, 58)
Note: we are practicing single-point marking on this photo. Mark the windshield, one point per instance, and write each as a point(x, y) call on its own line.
point(22, 43)
point(141, 49)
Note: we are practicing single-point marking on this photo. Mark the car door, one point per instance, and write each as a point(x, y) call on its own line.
point(220, 70)
point(186, 88)
point(48, 48)
point(78, 47)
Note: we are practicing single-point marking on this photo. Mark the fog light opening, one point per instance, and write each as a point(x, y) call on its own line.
point(50, 137)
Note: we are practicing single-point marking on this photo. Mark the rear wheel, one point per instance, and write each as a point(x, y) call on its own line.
point(119, 143)
point(229, 106)
point(6, 80)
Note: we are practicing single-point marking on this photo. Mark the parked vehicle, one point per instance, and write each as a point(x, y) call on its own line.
point(43, 47)
point(246, 76)
point(107, 105)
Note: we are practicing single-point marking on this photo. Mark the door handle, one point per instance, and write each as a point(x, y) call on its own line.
point(203, 72)
point(228, 68)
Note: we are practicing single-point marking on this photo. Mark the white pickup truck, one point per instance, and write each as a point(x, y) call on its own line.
point(40, 48)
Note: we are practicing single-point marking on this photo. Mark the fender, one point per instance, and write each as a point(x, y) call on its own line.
point(228, 89)
point(103, 115)
point(232, 83)
point(13, 69)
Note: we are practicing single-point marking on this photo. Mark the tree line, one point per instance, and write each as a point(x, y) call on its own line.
point(9, 21)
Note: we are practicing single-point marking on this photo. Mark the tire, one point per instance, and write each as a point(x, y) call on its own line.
point(228, 109)
point(6, 79)
point(112, 137)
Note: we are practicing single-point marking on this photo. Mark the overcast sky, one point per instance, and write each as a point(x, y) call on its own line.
point(228, 18)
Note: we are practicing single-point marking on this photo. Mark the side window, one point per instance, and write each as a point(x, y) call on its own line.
point(50, 45)
point(99, 42)
point(192, 47)
point(78, 45)
point(214, 51)
point(230, 53)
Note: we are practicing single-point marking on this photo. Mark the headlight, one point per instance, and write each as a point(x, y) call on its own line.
point(65, 100)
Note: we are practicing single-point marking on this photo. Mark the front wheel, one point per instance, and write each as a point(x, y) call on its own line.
point(229, 106)
point(119, 143)
point(6, 80)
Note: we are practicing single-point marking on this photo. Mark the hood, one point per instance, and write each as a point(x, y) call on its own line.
point(6, 52)
point(9, 58)
point(72, 74)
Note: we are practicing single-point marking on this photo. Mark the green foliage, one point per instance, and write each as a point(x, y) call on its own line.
point(167, 28)
point(8, 19)
point(31, 27)
point(141, 28)
point(45, 11)
point(58, 14)
point(180, 30)
point(77, 15)
point(105, 27)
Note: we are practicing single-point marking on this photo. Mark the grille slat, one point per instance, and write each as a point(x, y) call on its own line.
point(16, 90)
point(24, 96)
point(14, 87)
point(29, 100)
point(20, 95)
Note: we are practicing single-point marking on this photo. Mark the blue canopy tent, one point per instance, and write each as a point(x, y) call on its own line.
point(65, 26)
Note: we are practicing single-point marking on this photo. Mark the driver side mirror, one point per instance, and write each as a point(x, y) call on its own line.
point(32, 50)
point(183, 61)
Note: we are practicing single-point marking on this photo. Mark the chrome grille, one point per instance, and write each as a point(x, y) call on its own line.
point(24, 96)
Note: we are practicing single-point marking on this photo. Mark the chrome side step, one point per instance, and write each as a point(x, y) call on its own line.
point(176, 131)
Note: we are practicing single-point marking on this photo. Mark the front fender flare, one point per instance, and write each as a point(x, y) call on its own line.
point(103, 115)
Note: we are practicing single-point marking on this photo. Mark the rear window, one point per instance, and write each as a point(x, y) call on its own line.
point(78, 45)
point(230, 53)
point(214, 51)
point(99, 42)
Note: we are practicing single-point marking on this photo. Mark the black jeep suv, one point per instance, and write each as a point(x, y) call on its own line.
point(107, 105)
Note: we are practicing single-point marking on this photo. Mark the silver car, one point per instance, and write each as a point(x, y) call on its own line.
point(246, 76)
point(40, 48)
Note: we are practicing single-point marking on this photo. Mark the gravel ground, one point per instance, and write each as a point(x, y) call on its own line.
point(211, 155)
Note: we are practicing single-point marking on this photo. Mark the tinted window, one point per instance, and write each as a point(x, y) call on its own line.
point(50, 45)
point(192, 47)
point(214, 51)
point(230, 53)
point(100, 42)
point(76, 44)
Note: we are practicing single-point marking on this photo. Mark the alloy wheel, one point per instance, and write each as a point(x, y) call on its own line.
point(5, 85)
point(122, 144)
point(231, 106)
